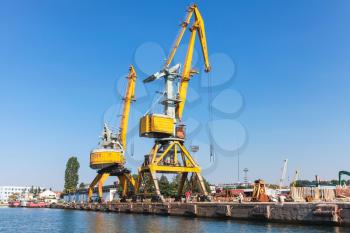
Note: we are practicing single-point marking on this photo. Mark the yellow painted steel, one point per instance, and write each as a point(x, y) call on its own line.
point(165, 159)
point(198, 26)
point(154, 153)
point(152, 125)
point(145, 125)
point(100, 184)
point(180, 35)
point(129, 97)
point(124, 180)
point(172, 169)
point(170, 155)
point(259, 191)
point(99, 179)
point(93, 184)
point(171, 145)
point(102, 158)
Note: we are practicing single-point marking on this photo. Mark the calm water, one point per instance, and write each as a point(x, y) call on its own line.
point(51, 220)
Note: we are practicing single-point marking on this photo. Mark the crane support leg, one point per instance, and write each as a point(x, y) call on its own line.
point(138, 182)
point(156, 185)
point(92, 185)
point(100, 184)
point(123, 184)
point(170, 157)
point(124, 180)
point(182, 183)
point(201, 183)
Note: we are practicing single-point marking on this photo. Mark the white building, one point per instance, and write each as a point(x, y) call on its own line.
point(7, 191)
point(48, 196)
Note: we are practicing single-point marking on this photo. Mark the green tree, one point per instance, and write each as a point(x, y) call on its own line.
point(35, 190)
point(164, 186)
point(333, 182)
point(273, 186)
point(207, 185)
point(130, 187)
point(71, 176)
point(304, 183)
point(190, 185)
point(147, 185)
point(193, 186)
point(13, 197)
point(169, 189)
point(309, 183)
point(82, 185)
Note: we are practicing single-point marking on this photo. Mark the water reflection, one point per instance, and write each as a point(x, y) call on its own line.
point(49, 220)
point(112, 222)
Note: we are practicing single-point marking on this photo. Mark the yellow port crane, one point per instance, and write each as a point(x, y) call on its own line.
point(169, 154)
point(109, 158)
point(187, 73)
point(296, 178)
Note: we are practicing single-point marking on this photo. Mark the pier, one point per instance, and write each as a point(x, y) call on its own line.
point(332, 213)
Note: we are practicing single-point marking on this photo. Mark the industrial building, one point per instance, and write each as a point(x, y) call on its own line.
point(7, 191)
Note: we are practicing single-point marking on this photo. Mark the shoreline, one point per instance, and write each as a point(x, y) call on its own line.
point(323, 213)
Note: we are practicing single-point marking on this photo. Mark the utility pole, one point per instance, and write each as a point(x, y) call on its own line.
point(245, 170)
point(238, 169)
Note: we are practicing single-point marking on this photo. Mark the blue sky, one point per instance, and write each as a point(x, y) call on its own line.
point(61, 63)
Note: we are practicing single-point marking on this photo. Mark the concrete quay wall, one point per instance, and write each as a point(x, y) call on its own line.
point(306, 213)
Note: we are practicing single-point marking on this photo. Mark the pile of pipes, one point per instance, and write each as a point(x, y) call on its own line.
point(309, 194)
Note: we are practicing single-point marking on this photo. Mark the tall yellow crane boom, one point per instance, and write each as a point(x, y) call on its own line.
point(178, 39)
point(198, 26)
point(129, 97)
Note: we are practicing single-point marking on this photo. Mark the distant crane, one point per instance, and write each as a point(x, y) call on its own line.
point(296, 177)
point(284, 171)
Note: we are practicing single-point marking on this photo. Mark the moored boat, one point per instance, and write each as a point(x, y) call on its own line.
point(32, 204)
point(14, 204)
